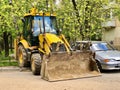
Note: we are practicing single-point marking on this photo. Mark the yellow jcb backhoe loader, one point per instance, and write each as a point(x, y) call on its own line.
point(42, 47)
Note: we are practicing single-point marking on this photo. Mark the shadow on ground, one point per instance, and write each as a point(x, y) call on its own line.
point(110, 71)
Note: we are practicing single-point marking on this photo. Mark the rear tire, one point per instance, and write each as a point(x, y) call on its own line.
point(36, 63)
point(22, 57)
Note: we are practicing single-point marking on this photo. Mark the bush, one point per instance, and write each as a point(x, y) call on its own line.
point(2, 64)
point(7, 61)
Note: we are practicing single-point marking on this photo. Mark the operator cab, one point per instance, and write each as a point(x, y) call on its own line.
point(36, 23)
point(49, 25)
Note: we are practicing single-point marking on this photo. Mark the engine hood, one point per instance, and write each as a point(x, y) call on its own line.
point(51, 38)
point(110, 54)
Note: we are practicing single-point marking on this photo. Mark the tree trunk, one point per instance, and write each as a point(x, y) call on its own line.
point(1, 45)
point(78, 18)
point(6, 44)
point(86, 22)
point(11, 43)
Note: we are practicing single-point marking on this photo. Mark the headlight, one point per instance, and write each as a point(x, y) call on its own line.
point(108, 60)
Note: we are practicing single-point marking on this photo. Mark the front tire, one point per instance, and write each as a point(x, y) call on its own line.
point(22, 57)
point(36, 63)
point(99, 66)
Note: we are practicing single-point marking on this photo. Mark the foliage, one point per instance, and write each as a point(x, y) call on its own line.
point(78, 19)
point(2, 64)
point(86, 16)
point(9, 64)
point(115, 7)
point(11, 13)
point(7, 61)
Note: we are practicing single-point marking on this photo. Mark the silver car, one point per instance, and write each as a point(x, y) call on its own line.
point(106, 56)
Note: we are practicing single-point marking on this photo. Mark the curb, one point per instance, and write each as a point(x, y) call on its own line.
point(9, 68)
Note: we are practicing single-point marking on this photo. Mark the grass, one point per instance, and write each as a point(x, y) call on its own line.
point(7, 61)
point(3, 64)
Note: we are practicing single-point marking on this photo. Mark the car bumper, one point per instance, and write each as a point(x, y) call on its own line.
point(110, 66)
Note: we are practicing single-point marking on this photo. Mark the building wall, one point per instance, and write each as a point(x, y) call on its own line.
point(117, 37)
point(113, 34)
point(117, 34)
point(108, 34)
point(117, 22)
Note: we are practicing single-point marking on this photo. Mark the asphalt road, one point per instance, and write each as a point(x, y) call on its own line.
point(16, 80)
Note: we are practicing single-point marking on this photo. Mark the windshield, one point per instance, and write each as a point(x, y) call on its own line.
point(101, 47)
point(49, 22)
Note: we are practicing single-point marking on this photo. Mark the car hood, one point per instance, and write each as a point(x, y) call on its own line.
point(109, 54)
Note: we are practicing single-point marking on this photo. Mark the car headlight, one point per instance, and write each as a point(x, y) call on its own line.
point(108, 60)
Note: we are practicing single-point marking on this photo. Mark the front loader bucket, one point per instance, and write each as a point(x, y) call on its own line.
point(63, 66)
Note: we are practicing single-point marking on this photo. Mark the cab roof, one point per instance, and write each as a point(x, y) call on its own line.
point(34, 12)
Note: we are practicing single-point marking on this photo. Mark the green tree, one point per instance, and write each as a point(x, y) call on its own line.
point(77, 18)
point(11, 13)
point(82, 17)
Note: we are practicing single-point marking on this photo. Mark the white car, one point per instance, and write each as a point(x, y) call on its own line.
point(106, 56)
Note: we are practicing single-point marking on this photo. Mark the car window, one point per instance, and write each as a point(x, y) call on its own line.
point(101, 46)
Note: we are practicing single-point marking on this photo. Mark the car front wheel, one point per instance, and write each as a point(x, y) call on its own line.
point(99, 66)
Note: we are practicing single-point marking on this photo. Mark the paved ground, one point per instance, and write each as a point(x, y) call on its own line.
point(16, 80)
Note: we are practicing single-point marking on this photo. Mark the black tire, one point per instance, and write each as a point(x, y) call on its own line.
point(99, 66)
point(22, 57)
point(36, 63)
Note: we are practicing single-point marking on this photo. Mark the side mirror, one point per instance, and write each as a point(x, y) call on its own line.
point(60, 30)
point(23, 20)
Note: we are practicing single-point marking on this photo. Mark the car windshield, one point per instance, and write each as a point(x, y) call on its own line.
point(101, 47)
point(49, 22)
